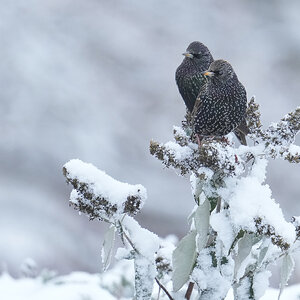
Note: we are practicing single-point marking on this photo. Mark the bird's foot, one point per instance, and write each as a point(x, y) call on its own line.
point(199, 139)
point(236, 158)
point(224, 139)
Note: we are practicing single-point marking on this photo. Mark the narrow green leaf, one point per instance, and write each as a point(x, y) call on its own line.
point(201, 218)
point(244, 248)
point(107, 247)
point(183, 258)
point(287, 268)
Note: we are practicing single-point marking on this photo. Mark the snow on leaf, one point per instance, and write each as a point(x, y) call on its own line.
point(222, 225)
point(145, 272)
point(107, 247)
point(244, 248)
point(145, 241)
point(201, 218)
point(249, 198)
point(99, 195)
point(287, 268)
point(263, 251)
point(183, 260)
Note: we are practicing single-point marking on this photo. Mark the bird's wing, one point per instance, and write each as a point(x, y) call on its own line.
point(243, 128)
point(196, 108)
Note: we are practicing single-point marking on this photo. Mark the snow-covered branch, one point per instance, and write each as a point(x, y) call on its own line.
point(279, 137)
point(100, 196)
point(242, 229)
point(275, 141)
point(183, 154)
point(236, 228)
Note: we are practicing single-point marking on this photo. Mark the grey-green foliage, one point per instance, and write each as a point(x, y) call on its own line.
point(234, 254)
point(228, 245)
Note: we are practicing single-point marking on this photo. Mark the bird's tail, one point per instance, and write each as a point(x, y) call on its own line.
point(241, 131)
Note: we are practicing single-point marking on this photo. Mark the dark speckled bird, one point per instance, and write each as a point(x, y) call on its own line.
point(221, 104)
point(188, 75)
point(189, 80)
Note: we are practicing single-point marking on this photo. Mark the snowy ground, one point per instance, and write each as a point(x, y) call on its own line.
point(95, 80)
point(85, 286)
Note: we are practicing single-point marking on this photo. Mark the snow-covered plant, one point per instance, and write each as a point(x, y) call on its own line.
point(101, 197)
point(236, 229)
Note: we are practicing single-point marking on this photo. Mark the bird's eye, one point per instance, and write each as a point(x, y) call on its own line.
point(218, 73)
point(197, 55)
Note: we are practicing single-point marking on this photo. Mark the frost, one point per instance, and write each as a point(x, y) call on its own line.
point(101, 184)
point(145, 241)
point(178, 152)
point(249, 199)
point(236, 228)
point(221, 224)
point(261, 283)
point(107, 248)
point(183, 259)
point(99, 195)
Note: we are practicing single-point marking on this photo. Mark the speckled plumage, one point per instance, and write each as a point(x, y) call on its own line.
point(221, 104)
point(188, 75)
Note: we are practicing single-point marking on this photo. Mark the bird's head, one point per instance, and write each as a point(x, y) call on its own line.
point(219, 70)
point(197, 51)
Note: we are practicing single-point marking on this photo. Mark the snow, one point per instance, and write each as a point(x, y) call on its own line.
point(249, 198)
point(145, 241)
point(76, 286)
point(290, 293)
point(111, 285)
point(207, 276)
point(179, 152)
point(294, 149)
point(261, 283)
point(221, 224)
point(167, 247)
point(119, 280)
point(101, 184)
point(29, 267)
point(123, 253)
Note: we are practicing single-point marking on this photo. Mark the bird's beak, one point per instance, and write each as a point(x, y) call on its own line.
point(188, 54)
point(208, 73)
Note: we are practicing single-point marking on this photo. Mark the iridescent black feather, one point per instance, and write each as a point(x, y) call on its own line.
point(190, 80)
point(221, 104)
point(188, 75)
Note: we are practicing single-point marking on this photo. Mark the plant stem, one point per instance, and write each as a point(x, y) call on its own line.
point(164, 289)
point(189, 291)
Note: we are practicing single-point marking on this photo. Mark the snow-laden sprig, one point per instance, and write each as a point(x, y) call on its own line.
point(277, 140)
point(183, 154)
point(237, 229)
point(279, 137)
point(100, 196)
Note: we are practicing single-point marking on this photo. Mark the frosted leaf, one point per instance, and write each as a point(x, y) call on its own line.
point(287, 268)
point(183, 260)
point(201, 218)
point(145, 272)
point(222, 225)
point(263, 249)
point(244, 248)
point(100, 196)
point(261, 283)
point(145, 241)
point(107, 247)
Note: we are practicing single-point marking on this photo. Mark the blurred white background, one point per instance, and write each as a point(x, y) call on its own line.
point(95, 80)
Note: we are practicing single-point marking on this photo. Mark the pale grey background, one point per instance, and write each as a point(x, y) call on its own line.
point(95, 80)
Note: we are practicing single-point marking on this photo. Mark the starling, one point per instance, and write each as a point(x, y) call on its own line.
point(188, 75)
point(189, 80)
point(221, 104)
